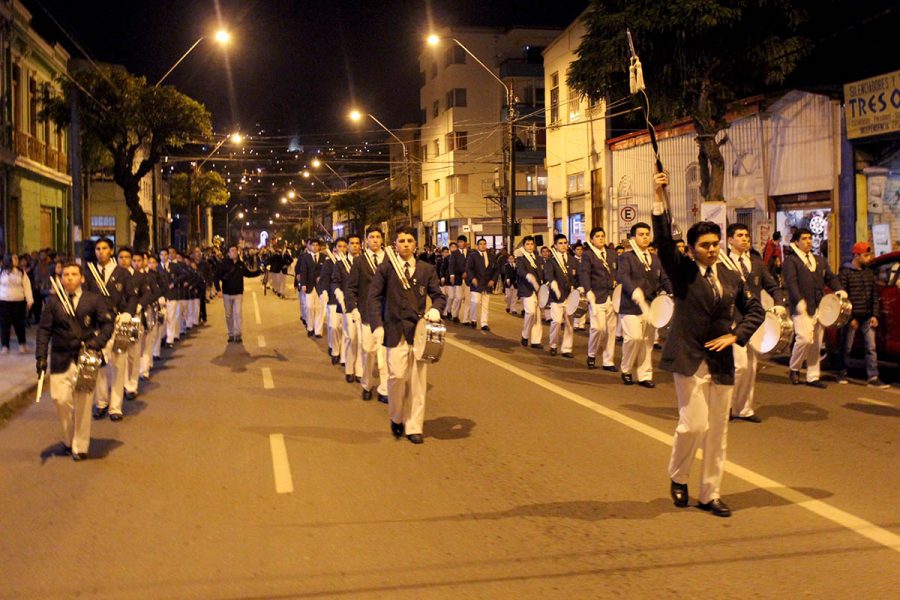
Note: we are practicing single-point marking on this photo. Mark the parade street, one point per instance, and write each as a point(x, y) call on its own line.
point(256, 471)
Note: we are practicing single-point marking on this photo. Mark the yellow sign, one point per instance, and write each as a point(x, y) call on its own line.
point(872, 106)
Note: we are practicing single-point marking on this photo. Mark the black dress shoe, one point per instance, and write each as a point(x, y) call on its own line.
point(130, 395)
point(397, 429)
point(116, 417)
point(679, 492)
point(456, 319)
point(318, 336)
point(238, 339)
point(349, 378)
point(553, 351)
point(309, 333)
point(415, 438)
point(367, 394)
point(524, 342)
point(230, 338)
point(816, 384)
point(169, 345)
point(716, 507)
point(591, 362)
point(358, 379)
point(750, 419)
point(67, 450)
point(485, 328)
point(537, 346)
point(626, 379)
point(473, 324)
point(99, 413)
point(568, 355)
point(382, 398)
point(335, 360)
point(795, 377)
point(507, 310)
point(79, 456)
point(611, 368)
point(647, 384)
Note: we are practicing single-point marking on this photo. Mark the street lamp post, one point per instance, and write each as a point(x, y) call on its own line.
point(235, 138)
point(510, 159)
point(221, 36)
point(356, 116)
point(316, 163)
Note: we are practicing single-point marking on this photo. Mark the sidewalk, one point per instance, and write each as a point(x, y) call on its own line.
point(18, 383)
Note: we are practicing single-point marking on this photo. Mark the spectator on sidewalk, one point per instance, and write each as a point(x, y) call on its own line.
point(858, 280)
point(15, 302)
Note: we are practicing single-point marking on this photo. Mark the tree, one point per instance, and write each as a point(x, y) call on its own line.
point(367, 206)
point(698, 57)
point(127, 126)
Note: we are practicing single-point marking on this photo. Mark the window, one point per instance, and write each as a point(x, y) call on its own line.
point(103, 222)
point(424, 152)
point(456, 97)
point(435, 109)
point(457, 140)
point(437, 147)
point(454, 55)
point(425, 191)
point(575, 184)
point(574, 105)
point(34, 98)
point(423, 117)
point(437, 188)
point(554, 99)
point(459, 184)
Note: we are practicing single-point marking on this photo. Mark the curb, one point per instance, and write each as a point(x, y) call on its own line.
point(17, 403)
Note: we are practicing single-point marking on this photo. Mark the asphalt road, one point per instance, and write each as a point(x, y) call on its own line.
point(257, 472)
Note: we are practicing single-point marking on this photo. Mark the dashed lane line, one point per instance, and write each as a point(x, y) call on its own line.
point(268, 382)
point(256, 309)
point(261, 341)
point(844, 519)
point(281, 468)
point(876, 402)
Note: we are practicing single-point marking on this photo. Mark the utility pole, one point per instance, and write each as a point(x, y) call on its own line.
point(511, 115)
point(409, 194)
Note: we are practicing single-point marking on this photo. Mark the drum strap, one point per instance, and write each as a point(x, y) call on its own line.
point(600, 256)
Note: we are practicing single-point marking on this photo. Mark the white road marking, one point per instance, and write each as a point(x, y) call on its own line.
point(256, 310)
point(261, 341)
point(878, 402)
point(835, 515)
point(284, 483)
point(268, 382)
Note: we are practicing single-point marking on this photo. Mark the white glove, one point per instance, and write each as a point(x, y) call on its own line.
point(841, 294)
point(378, 334)
point(645, 308)
point(801, 307)
point(433, 315)
point(123, 317)
point(162, 301)
point(530, 278)
point(453, 279)
point(555, 287)
point(591, 296)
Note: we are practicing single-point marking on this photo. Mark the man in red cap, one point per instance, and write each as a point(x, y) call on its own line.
point(859, 282)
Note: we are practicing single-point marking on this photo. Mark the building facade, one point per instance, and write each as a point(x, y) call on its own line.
point(35, 185)
point(463, 135)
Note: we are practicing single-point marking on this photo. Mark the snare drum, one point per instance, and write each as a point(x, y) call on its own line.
point(661, 310)
point(834, 311)
point(617, 298)
point(775, 334)
point(544, 295)
point(576, 304)
point(428, 343)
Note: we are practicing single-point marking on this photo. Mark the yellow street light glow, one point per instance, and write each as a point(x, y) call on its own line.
point(292, 194)
point(433, 39)
point(355, 115)
point(240, 215)
point(306, 174)
point(316, 163)
point(277, 215)
point(223, 37)
point(236, 138)
point(283, 200)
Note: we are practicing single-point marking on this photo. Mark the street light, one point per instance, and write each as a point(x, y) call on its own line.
point(434, 40)
point(221, 36)
point(283, 200)
point(316, 163)
point(356, 116)
point(291, 194)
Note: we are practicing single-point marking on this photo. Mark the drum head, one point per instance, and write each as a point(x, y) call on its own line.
point(768, 335)
point(829, 310)
point(420, 339)
point(766, 300)
point(617, 298)
point(661, 310)
point(544, 295)
point(572, 302)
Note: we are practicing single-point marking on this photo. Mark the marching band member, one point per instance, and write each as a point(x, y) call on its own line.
point(150, 337)
point(529, 276)
point(447, 288)
point(141, 293)
point(697, 351)
point(642, 277)
point(756, 278)
point(805, 276)
point(90, 323)
point(577, 255)
point(357, 299)
point(340, 282)
point(559, 271)
point(394, 313)
point(542, 260)
point(111, 281)
point(596, 274)
point(162, 280)
point(481, 274)
point(510, 285)
point(311, 269)
point(333, 322)
point(457, 271)
point(300, 283)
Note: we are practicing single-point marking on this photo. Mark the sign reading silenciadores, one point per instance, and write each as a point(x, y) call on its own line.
point(872, 106)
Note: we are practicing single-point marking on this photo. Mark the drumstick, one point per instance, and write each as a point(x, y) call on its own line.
point(40, 387)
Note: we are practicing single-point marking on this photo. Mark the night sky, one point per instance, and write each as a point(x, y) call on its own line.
point(295, 65)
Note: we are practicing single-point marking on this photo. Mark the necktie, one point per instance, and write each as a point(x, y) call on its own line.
point(647, 258)
point(808, 260)
point(744, 269)
point(603, 255)
point(72, 300)
point(375, 259)
point(406, 270)
point(711, 279)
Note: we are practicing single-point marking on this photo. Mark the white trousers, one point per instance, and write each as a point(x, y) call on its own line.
point(304, 309)
point(278, 283)
point(173, 321)
point(807, 345)
point(703, 408)
point(315, 313)
point(148, 343)
point(450, 292)
point(133, 364)
point(637, 347)
point(461, 300)
point(373, 359)
point(73, 409)
point(407, 382)
point(110, 389)
point(745, 364)
point(193, 309)
point(483, 299)
point(512, 299)
point(335, 332)
point(160, 330)
point(532, 328)
point(233, 308)
point(351, 354)
point(603, 332)
point(560, 327)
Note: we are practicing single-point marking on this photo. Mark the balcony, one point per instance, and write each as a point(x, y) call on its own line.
point(33, 149)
